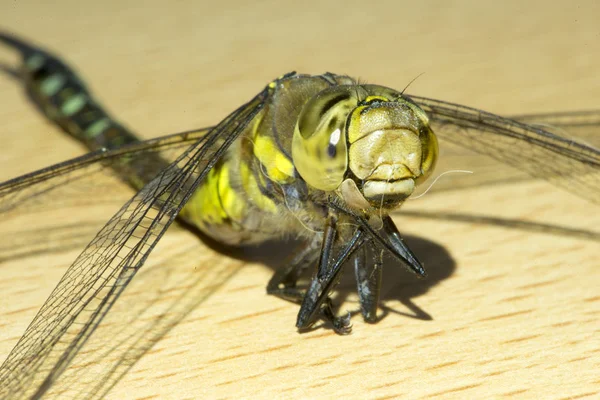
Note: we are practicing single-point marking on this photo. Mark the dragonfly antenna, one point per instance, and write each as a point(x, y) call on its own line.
point(411, 82)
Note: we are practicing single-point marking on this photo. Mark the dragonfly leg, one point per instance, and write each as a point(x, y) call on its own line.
point(283, 282)
point(368, 279)
point(316, 301)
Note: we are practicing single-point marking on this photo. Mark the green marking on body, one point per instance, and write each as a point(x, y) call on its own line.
point(52, 84)
point(74, 104)
point(96, 128)
point(35, 62)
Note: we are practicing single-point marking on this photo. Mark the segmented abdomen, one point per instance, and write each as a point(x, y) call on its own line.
point(64, 99)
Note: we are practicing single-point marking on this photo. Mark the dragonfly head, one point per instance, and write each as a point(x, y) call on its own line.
point(367, 143)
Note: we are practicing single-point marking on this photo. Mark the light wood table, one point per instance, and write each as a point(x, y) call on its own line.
point(508, 311)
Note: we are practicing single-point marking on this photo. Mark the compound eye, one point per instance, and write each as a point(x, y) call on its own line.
point(318, 111)
point(319, 147)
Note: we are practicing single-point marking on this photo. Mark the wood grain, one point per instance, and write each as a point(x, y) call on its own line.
point(507, 312)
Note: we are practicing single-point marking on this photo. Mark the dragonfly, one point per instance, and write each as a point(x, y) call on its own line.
point(322, 159)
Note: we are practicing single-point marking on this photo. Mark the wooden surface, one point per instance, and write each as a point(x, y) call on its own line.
point(507, 312)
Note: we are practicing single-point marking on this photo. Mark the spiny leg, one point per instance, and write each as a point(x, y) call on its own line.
point(316, 300)
point(388, 237)
point(283, 282)
point(368, 280)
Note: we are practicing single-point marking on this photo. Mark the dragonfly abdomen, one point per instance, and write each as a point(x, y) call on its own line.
point(63, 98)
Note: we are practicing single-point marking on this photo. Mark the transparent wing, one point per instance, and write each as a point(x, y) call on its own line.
point(583, 126)
point(528, 150)
point(40, 210)
point(89, 175)
point(106, 266)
